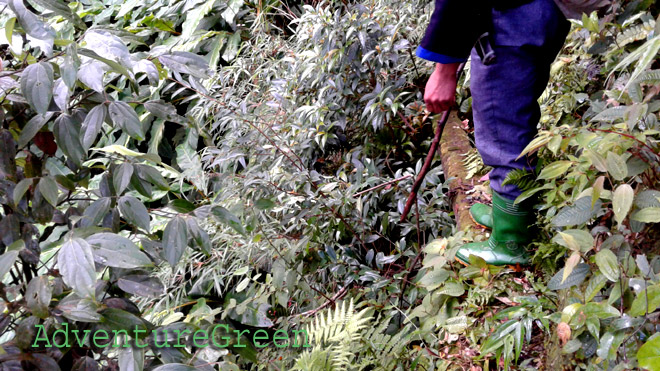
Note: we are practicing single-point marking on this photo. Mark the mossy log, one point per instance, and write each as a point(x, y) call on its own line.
point(454, 145)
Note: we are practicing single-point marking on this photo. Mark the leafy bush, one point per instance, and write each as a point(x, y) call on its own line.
point(171, 165)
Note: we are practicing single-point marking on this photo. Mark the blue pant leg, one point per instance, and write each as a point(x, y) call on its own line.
point(505, 107)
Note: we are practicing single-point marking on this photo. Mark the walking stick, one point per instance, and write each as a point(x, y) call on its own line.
point(429, 157)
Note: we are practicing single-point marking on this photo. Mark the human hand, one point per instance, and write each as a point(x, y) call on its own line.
point(440, 92)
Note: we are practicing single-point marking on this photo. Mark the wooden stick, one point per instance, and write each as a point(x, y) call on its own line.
point(429, 158)
point(427, 165)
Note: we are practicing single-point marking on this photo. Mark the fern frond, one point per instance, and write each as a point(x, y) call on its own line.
point(634, 33)
point(521, 178)
point(333, 335)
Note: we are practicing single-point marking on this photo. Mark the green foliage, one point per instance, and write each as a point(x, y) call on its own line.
point(178, 165)
point(333, 337)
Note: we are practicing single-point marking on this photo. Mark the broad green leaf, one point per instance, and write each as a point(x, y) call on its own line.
point(9, 29)
point(596, 283)
point(225, 216)
point(640, 304)
point(457, 325)
point(149, 68)
point(647, 215)
point(152, 175)
point(610, 114)
point(648, 355)
point(131, 358)
point(597, 189)
point(571, 263)
point(233, 7)
point(141, 285)
point(42, 34)
point(77, 309)
point(175, 367)
point(452, 289)
point(6, 262)
point(37, 86)
point(91, 74)
point(175, 240)
point(92, 125)
point(116, 251)
point(433, 278)
point(121, 177)
point(608, 265)
point(67, 137)
point(95, 212)
point(231, 48)
point(163, 110)
point(134, 212)
point(622, 201)
point(61, 95)
point(48, 188)
point(108, 46)
point(616, 166)
point(124, 116)
point(576, 277)
point(194, 16)
point(114, 65)
point(76, 263)
point(580, 212)
point(69, 71)
point(32, 128)
point(20, 189)
point(555, 169)
point(185, 62)
point(647, 198)
point(37, 296)
point(575, 239)
point(198, 235)
point(60, 8)
point(118, 319)
point(264, 204)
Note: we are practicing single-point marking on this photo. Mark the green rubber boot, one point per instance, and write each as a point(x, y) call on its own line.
point(510, 236)
point(482, 214)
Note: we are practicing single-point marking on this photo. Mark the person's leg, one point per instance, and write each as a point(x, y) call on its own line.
point(506, 114)
point(505, 94)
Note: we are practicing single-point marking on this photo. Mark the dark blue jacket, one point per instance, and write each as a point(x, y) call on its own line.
point(450, 35)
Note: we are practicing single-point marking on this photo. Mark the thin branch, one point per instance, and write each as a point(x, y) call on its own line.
point(382, 185)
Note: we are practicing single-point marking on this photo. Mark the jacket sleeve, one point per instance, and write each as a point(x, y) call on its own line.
point(454, 28)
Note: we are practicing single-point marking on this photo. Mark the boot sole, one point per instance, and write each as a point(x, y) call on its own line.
point(479, 224)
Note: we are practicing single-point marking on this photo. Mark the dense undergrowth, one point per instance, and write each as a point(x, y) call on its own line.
point(178, 165)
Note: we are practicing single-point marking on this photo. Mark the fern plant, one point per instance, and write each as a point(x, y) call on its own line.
point(521, 178)
point(332, 336)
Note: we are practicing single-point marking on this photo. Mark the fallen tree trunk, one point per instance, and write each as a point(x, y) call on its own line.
point(454, 145)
